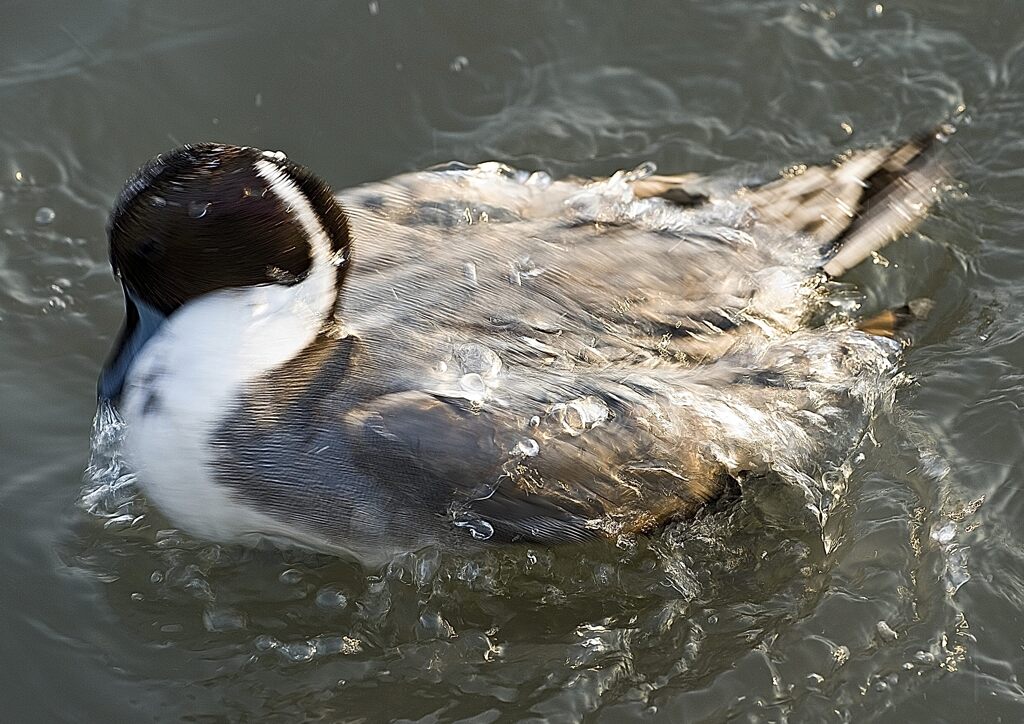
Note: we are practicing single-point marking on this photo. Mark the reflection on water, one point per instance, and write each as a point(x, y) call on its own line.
point(744, 607)
point(905, 605)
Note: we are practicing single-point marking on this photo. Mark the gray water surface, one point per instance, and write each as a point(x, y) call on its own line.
point(908, 607)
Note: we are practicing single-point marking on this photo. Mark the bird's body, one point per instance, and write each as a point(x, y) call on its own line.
point(495, 356)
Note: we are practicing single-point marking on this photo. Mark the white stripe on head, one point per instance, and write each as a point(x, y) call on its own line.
point(322, 274)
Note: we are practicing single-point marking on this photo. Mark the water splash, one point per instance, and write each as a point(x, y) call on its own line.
point(109, 491)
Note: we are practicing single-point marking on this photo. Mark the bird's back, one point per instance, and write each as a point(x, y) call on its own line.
point(525, 359)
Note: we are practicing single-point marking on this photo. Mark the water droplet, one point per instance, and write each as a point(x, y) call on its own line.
point(534, 421)
point(158, 201)
point(290, 577)
point(265, 642)
point(944, 534)
point(469, 271)
point(45, 215)
point(580, 415)
point(297, 651)
point(528, 447)
point(875, 10)
point(458, 63)
point(259, 100)
point(374, 8)
point(885, 631)
point(329, 597)
point(281, 276)
point(433, 626)
point(223, 619)
point(924, 657)
point(476, 358)
point(199, 588)
point(644, 170)
point(540, 179)
point(478, 529)
point(440, 368)
point(198, 209)
point(473, 385)
point(523, 268)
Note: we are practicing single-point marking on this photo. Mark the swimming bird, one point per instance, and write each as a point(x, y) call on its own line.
point(474, 354)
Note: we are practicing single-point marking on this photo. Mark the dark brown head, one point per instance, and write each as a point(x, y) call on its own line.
point(210, 217)
point(204, 217)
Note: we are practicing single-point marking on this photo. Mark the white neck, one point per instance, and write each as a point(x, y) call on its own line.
point(187, 377)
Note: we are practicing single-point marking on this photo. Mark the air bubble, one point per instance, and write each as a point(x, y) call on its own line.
point(45, 215)
point(528, 447)
point(198, 209)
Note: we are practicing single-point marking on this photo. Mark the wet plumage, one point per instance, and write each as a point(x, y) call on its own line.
point(512, 358)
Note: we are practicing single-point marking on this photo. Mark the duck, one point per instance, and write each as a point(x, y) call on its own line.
point(476, 355)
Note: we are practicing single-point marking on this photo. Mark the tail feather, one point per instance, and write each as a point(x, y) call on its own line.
point(862, 203)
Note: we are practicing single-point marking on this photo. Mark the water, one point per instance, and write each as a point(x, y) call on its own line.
point(905, 606)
